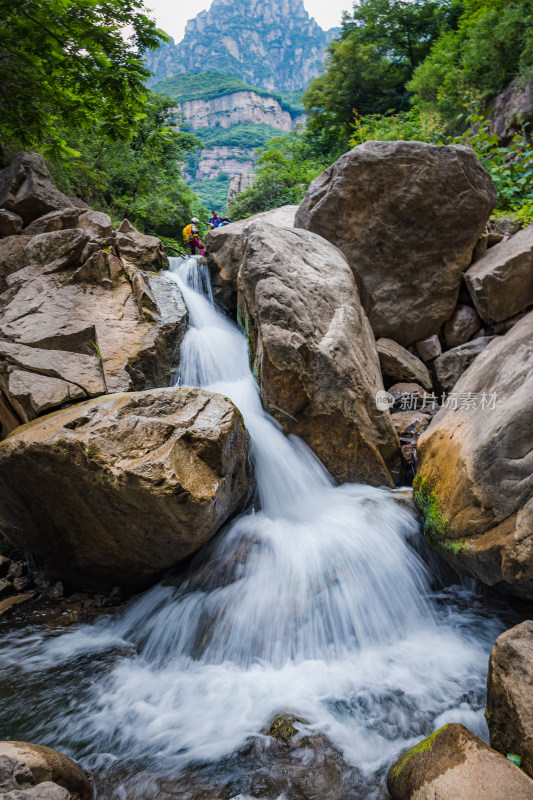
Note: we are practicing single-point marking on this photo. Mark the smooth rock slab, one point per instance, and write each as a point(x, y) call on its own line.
point(116, 490)
point(398, 364)
point(407, 216)
point(510, 694)
point(453, 764)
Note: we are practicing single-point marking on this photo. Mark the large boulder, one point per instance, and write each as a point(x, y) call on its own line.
point(510, 694)
point(501, 283)
point(453, 764)
point(314, 350)
point(463, 324)
point(139, 249)
point(449, 367)
point(69, 314)
point(224, 251)
point(407, 216)
point(398, 364)
point(475, 466)
point(27, 188)
point(34, 772)
point(147, 478)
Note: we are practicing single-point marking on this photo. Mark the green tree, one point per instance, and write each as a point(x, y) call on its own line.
point(68, 64)
point(140, 178)
point(492, 45)
point(286, 168)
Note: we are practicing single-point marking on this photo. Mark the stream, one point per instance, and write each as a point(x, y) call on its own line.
point(320, 601)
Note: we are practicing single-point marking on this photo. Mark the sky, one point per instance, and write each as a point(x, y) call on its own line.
point(172, 15)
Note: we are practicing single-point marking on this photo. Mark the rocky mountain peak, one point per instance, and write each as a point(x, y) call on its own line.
point(273, 44)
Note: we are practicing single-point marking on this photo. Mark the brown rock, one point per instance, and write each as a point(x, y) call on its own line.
point(510, 694)
point(10, 602)
point(501, 283)
point(453, 764)
point(314, 350)
point(62, 219)
point(148, 478)
point(429, 348)
point(224, 251)
point(412, 397)
point(37, 766)
point(10, 224)
point(475, 477)
point(145, 252)
point(32, 394)
point(410, 423)
point(407, 216)
point(96, 224)
point(12, 257)
point(398, 364)
point(26, 187)
point(462, 325)
point(450, 365)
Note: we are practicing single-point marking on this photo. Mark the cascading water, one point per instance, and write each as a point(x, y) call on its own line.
point(314, 604)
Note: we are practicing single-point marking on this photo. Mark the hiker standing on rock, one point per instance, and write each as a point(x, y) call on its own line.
point(191, 236)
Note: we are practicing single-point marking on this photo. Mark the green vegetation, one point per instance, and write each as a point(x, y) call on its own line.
point(286, 168)
point(213, 194)
point(72, 76)
point(436, 524)
point(245, 135)
point(422, 70)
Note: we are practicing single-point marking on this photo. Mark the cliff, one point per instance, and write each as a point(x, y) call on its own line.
point(273, 44)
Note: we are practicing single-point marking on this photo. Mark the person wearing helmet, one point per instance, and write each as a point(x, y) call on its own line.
point(191, 236)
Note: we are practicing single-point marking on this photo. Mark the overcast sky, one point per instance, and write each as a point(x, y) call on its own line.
point(172, 15)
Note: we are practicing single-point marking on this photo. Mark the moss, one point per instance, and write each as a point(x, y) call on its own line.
point(436, 524)
point(282, 727)
point(455, 548)
point(421, 747)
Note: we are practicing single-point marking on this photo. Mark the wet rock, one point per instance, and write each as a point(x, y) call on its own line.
point(398, 364)
point(224, 252)
point(144, 252)
point(475, 480)
point(510, 694)
point(450, 365)
point(429, 348)
point(501, 283)
point(314, 351)
point(453, 764)
point(149, 477)
point(26, 187)
point(10, 224)
point(461, 326)
point(40, 773)
point(17, 600)
point(407, 216)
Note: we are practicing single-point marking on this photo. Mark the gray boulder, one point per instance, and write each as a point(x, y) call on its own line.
point(450, 365)
point(314, 350)
point(27, 188)
point(407, 216)
point(398, 364)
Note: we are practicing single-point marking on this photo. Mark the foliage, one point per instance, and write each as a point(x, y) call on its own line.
point(139, 179)
point(286, 168)
point(370, 63)
point(213, 193)
point(405, 125)
point(492, 44)
point(66, 64)
point(245, 135)
point(210, 85)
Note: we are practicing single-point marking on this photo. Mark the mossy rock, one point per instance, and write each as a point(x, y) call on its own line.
point(282, 727)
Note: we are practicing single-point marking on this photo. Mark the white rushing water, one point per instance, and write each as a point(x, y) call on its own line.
point(312, 603)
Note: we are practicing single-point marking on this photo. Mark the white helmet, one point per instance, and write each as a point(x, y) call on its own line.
point(195, 219)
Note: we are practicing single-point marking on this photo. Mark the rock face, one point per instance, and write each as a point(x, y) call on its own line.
point(33, 772)
point(407, 216)
point(236, 108)
point(510, 694)
point(27, 189)
point(314, 351)
point(501, 283)
point(475, 479)
point(513, 108)
point(80, 315)
point(450, 365)
point(453, 764)
point(276, 46)
point(231, 160)
point(398, 364)
point(224, 252)
point(148, 477)
point(461, 326)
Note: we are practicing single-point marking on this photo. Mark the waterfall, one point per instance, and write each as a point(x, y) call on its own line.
point(313, 602)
